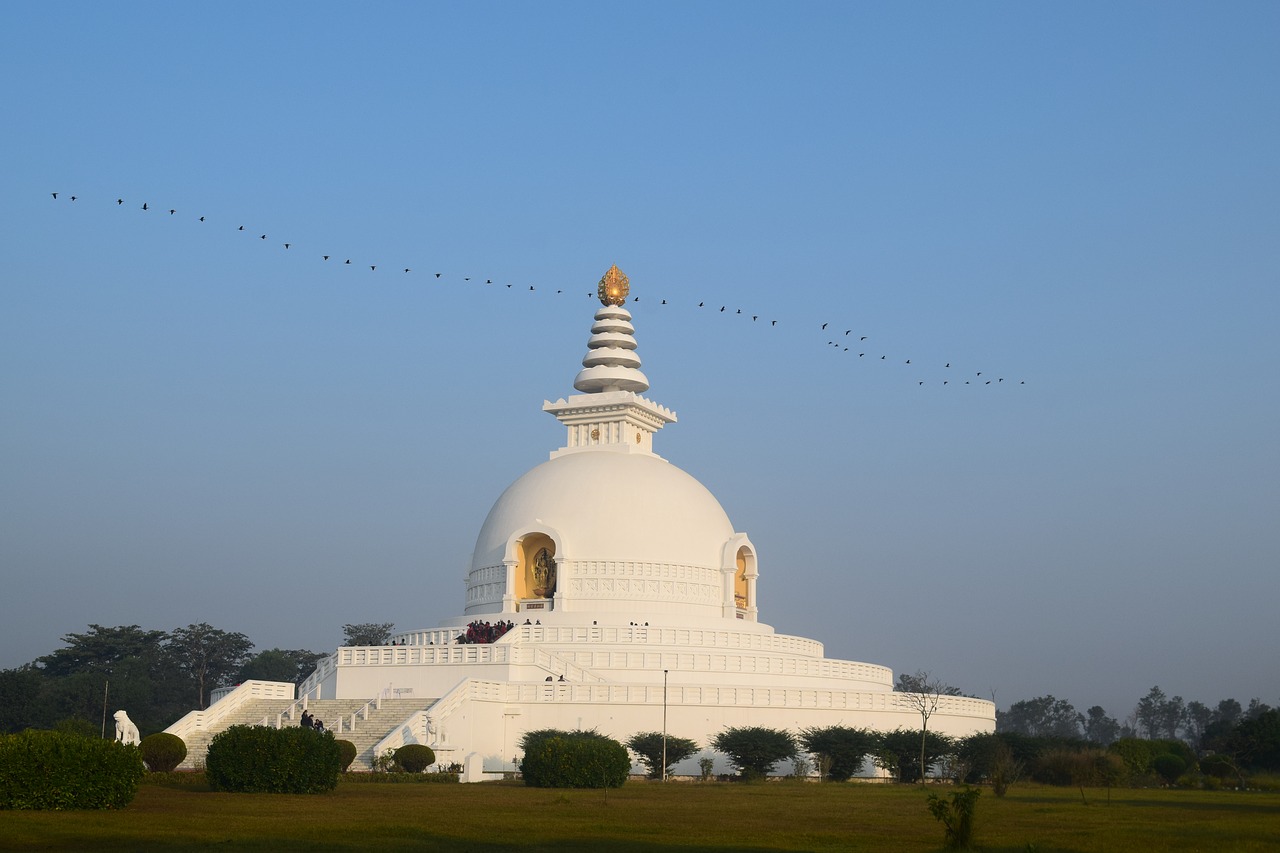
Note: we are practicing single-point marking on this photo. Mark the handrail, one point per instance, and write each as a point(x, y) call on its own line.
point(363, 713)
point(289, 712)
point(196, 721)
point(416, 724)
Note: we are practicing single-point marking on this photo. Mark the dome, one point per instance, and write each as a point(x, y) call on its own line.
point(628, 532)
point(612, 507)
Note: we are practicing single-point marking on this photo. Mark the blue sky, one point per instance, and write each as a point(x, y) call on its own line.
point(201, 425)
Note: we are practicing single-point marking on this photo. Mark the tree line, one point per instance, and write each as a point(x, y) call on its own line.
point(157, 676)
point(1156, 716)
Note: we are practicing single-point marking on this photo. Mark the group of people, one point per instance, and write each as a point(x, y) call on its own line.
point(483, 632)
point(310, 722)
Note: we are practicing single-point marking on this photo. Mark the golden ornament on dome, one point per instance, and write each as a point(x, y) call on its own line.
point(613, 287)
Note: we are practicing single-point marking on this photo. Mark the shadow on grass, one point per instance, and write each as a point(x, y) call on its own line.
point(430, 842)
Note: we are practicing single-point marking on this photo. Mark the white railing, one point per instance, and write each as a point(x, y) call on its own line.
point(363, 713)
point(666, 636)
point(696, 660)
point(415, 728)
point(229, 704)
point(311, 684)
point(757, 697)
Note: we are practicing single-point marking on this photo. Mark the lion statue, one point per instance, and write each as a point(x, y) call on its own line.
point(126, 731)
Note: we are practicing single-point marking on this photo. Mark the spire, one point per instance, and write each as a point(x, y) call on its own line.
point(611, 362)
point(610, 414)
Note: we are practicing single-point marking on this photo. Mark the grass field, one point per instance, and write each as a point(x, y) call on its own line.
point(652, 818)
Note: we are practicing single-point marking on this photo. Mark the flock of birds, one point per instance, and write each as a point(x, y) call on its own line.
point(838, 342)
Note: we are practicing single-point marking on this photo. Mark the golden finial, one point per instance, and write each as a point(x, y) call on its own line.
point(613, 287)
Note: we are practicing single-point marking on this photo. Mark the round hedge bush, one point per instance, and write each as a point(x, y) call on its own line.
point(347, 752)
point(56, 770)
point(574, 760)
point(265, 760)
point(415, 757)
point(162, 752)
point(1169, 766)
point(1218, 766)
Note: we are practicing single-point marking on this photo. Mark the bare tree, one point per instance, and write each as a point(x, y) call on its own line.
point(924, 698)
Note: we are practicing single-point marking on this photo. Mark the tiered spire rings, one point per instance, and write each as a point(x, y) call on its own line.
point(611, 362)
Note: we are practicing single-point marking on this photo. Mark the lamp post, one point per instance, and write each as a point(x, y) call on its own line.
point(664, 725)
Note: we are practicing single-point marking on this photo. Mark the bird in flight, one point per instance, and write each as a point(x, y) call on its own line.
point(55, 196)
point(144, 205)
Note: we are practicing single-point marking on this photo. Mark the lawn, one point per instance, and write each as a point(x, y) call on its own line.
point(652, 818)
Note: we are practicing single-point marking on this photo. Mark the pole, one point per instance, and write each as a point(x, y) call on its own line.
point(105, 685)
point(664, 725)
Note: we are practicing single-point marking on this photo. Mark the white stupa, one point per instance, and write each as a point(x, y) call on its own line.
point(631, 600)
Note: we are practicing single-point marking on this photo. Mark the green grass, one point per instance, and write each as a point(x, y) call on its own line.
point(652, 818)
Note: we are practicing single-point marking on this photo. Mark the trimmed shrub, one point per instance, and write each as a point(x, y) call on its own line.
point(579, 759)
point(754, 750)
point(1139, 755)
point(649, 746)
point(264, 760)
point(1169, 766)
point(415, 757)
point(56, 770)
point(347, 753)
point(1219, 767)
point(162, 752)
point(443, 778)
point(844, 747)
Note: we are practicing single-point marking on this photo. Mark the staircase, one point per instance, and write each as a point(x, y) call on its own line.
point(249, 714)
point(365, 734)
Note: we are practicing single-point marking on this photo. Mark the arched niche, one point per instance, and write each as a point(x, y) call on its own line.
point(740, 585)
point(533, 558)
point(741, 569)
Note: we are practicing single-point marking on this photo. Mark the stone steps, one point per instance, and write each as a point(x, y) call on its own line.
point(365, 735)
